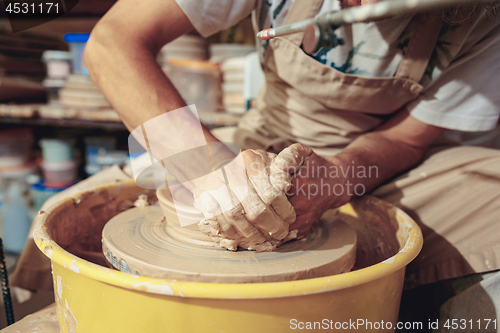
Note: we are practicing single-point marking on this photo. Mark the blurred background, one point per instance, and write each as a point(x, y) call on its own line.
point(56, 128)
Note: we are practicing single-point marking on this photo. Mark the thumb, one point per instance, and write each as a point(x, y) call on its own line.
point(286, 164)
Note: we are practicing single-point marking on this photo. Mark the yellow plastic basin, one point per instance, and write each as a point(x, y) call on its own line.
point(93, 298)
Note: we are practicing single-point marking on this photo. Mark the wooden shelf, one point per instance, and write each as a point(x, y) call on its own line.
point(55, 114)
point(63, 123)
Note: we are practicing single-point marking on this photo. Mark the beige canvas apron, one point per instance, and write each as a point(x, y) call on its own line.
point(305, 101)
point(454, 194)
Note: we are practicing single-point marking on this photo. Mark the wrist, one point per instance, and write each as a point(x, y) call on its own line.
point(343, 181)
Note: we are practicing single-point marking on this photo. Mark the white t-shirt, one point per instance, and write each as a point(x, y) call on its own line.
point(461, 83)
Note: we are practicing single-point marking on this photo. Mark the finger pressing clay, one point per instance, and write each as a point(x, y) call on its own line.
point(224, 218)
point(286, 164)
point(212, 211)
point(272, 196)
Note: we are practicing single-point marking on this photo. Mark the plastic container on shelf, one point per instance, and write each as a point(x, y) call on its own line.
point(15, 147)
point(40, 193)
point(58, 64)
point(91, 169)
point(110, 158)
point(59, 174)
point(94, 145)
point(15, 212)
point(198, 82)
point(77, 43)
point(16, 218)
point(57, 150)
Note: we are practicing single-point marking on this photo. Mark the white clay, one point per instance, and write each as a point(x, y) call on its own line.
point(142, 201)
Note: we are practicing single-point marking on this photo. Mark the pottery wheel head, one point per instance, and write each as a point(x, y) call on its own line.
point(141, 241)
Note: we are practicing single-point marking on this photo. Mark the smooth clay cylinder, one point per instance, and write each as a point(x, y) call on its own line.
point(183, 209)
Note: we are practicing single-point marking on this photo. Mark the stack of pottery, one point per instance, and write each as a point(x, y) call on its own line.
point(233, 86)
point(185, 47)
point(80, 91)
point(243, 80)
point(233, 60)
point(15, 147)
point(221, 52)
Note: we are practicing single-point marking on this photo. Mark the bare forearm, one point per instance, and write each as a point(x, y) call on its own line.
point(132, 81)
point(394, 147)
point(373, 159)
point(121, 58)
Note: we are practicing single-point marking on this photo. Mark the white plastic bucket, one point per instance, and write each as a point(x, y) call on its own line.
point(59, 174)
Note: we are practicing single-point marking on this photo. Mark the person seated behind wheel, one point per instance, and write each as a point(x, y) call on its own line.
point(381, 99)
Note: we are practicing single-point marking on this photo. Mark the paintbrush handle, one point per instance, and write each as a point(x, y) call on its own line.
point(366, 12)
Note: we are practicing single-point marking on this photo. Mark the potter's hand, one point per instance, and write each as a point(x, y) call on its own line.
point(312, 189)
point(242, 207)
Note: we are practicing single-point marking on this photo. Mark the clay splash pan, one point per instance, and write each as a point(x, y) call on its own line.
point(91, 297)
point(143, 242)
